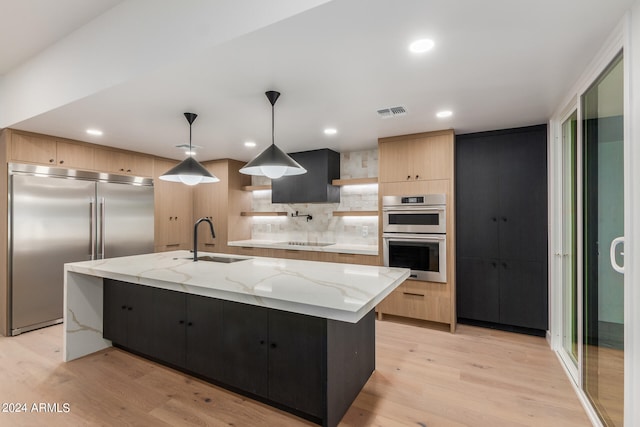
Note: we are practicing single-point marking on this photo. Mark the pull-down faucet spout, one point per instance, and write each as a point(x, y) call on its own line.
point(195, 236)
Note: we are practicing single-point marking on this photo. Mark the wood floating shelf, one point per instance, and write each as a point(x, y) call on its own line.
point(355, 213)
point(256, 187)
point(354, 181)
point(263, 214)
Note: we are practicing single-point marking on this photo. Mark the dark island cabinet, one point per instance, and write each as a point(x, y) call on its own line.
point(501, 228)
point(310, 366)
point(128, 317)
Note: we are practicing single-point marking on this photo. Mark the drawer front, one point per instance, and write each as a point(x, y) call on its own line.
point(414, 302)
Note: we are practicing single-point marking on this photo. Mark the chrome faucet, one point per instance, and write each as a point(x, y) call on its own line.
point(195, 236)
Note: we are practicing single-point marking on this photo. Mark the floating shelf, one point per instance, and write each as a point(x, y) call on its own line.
point(354, 181)
point(263, 214)
point(355, 213)
point(256, 187)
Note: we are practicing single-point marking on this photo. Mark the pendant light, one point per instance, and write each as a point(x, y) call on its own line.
point(189, 171)
point(273, 162)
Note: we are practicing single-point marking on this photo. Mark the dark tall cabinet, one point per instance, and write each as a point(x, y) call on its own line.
point(501, 227)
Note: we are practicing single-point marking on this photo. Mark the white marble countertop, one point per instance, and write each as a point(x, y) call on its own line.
point(344, 292)
point(335, 247)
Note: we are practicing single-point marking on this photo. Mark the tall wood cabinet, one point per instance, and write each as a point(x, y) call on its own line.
point(413, 165)
point(501, 234)
point(173, 210)
point(223, 202)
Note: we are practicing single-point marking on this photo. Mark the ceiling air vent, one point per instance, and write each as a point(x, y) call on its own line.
point(386, 113)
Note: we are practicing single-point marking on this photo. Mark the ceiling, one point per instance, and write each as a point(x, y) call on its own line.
point(496, 64)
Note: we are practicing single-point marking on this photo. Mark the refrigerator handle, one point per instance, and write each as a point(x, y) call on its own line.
point(102, 208)
point(92, 232)
point(612, 254)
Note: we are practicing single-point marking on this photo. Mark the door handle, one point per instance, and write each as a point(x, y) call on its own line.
point(102, 228)
point(612, 254)
point(92, 232)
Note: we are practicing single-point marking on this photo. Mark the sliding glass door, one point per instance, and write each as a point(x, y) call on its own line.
point(603, 221)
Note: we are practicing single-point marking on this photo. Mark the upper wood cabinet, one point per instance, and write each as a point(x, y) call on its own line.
point(32, 148)
point(124, 163)
point(417, 157)
point(223, 202)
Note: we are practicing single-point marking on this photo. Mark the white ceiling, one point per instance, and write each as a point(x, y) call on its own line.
point(496, 64)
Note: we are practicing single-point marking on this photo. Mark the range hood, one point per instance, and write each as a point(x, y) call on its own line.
point(315, 186)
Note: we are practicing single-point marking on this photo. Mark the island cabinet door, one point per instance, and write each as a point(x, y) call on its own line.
point(244, 347)
point(204, 336)
point(169, 327)
point(297, 361)
point(128, 315)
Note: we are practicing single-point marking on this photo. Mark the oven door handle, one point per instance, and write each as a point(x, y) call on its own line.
point(403, 209)
point(412, 237)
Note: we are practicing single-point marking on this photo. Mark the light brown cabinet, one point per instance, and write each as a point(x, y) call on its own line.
point(173, 211)
point(223, 202)
point(413, 165)
point(417, 157)
point(123, 163)
point(33, 148)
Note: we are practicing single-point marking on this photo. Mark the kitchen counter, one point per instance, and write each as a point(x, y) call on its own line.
point(343, 292)
point(342, 248)
point(296, 319)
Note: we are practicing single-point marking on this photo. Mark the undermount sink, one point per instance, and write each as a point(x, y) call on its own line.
point(306, 244)
point(223, 259)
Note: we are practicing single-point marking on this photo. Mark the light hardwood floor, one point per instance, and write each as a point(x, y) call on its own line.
point(423, 377)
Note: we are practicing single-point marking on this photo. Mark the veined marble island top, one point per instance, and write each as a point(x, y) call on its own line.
point(344, 292)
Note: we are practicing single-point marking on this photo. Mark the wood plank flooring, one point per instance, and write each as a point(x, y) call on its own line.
point(424, 377)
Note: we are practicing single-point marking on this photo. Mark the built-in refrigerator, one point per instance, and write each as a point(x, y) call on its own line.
point(58, 216)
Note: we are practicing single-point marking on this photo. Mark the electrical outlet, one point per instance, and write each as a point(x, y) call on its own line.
point(365, 231)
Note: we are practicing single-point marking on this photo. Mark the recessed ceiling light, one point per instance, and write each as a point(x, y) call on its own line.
point(330, 131)
point(421, 46)
point(443, 114)
point(249, 144)
point(95, 132)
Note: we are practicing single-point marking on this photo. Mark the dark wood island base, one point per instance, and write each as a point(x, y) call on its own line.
point(309, 366)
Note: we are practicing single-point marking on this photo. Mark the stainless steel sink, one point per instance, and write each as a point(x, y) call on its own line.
point(222, 259)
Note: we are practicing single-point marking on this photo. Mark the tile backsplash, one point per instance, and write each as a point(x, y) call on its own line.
point(324, 227)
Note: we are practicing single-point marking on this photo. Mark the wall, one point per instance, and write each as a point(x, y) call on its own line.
point(324, 227)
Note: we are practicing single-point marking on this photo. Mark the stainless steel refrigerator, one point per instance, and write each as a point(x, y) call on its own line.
point(58, 216)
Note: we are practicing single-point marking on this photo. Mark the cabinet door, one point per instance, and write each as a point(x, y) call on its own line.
point(477, 206)
point(139, 165)
point(297, 357)
point(75, 156)
point(204, 337)
point(169, 326)
point(32, 149)
point(140, 318)
point(523, 294)
point(396, 164)
point(115, 305)
point(478, 290)
point(244, 347)
point(523, 194)
point(431, 157)
point(210, 201)
point(173, 211)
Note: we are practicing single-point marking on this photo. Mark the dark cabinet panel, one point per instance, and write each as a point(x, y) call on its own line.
point(245, 347)
point(478, 289)
point(204, 336)
point(501, 219)
point(128, 317)
point(477, 232)
point(522, 294)
point(169, 323)
point(297, 356)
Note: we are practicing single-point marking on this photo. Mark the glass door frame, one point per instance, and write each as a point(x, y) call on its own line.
point(618, 41)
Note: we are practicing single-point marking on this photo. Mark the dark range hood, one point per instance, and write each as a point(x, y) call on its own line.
point(315, 186)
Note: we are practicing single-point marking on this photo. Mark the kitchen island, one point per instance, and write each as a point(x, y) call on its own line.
point(298, 335)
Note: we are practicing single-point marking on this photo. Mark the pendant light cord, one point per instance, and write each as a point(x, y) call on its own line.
point(272, 124)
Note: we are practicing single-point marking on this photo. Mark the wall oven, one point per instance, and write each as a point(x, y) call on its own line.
point(414, 214)
point(414, 235)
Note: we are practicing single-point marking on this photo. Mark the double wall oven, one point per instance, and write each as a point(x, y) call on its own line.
point(414, 235)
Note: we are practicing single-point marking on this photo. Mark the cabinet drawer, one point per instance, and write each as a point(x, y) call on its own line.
point(415, 300)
